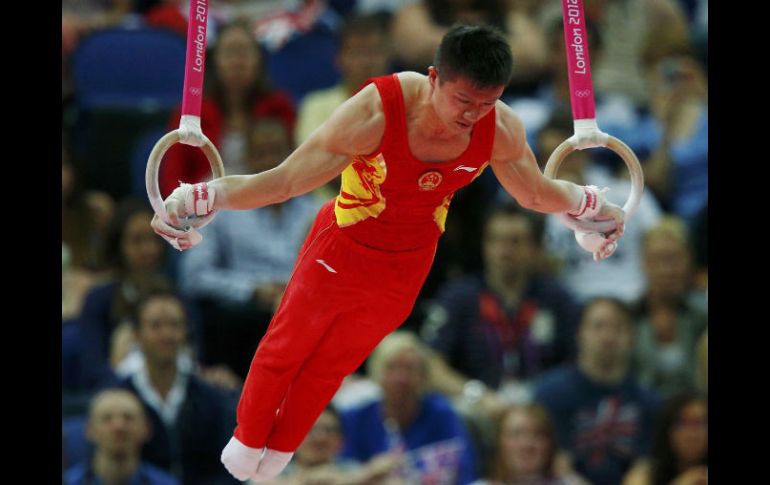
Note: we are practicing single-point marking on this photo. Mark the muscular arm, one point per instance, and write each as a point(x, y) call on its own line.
point(355, 128)
point(515, 166)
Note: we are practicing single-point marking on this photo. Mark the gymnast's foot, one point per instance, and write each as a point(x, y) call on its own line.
point(273, 462)
point(240, 460)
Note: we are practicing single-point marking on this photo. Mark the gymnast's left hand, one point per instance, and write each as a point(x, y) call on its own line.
point(186, 200)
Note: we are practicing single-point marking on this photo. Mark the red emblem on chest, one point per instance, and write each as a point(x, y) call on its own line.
point(429, 180)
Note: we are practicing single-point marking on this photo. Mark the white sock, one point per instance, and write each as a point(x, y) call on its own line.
point(273, 462)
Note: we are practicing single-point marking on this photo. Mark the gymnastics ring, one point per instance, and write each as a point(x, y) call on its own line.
point(637, 182)
point(153, 168)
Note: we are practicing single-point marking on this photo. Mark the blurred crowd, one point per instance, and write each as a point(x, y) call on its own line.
point(523, 362)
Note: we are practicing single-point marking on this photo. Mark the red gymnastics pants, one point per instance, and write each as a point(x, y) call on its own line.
point(341, 301)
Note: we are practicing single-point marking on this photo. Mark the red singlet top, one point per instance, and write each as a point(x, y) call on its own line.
point(392, 201)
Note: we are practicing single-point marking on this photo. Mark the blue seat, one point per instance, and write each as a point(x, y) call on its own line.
point(129, 67)
point(306, 63)
point(127, 81)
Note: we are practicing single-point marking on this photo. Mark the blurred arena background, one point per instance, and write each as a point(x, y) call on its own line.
point(523, 362)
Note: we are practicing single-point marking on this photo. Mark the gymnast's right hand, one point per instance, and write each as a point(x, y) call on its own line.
point(186, 200)
point(240, 460)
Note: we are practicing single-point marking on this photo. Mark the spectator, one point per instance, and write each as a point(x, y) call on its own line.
point(602, 416)
point(237, 91)
point(417, 432)
point(364, 47)
point(238, 273)
point(676, 133)
point(526, 450)
point(317, 459)
point(117, 426)
point(621, 276)
point(506, 325)
point(191, 420)
point(669, 321)
point(137, 255)
point(680, 448)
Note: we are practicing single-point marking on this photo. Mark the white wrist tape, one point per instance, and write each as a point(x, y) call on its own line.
point(590, 204)
point(199, 199)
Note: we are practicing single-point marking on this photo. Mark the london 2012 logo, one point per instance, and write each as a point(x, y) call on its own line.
point(429, 180)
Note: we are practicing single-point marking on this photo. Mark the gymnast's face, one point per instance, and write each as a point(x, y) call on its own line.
point(458, 103)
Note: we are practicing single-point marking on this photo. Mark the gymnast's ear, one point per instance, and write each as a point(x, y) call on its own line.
point(432, 77)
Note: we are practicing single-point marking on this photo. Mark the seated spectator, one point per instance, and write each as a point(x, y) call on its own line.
point(238, 273)
point(364, 47)
point(191, 420)
point(669, 321)
point(237, 92)
point(137, 255)
point(602, 416)
point(526, 450)
point(676, 133)
point(621, 276)
point(680, 447)
point(508, 324)
point(417, 433)
point(317, 460)
point(117, 426)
